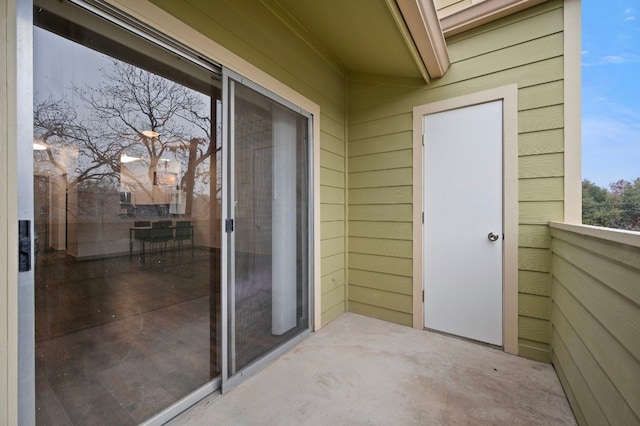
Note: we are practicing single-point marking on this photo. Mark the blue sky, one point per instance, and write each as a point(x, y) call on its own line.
point(610, 90)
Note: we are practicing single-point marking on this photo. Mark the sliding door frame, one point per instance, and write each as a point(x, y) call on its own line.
point(228, 238)
point(191, 45)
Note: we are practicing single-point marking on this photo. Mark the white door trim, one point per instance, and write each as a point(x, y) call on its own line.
point(509, 96)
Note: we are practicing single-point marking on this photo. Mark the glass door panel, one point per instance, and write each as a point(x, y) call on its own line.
point(127, 187)
point(269, 268)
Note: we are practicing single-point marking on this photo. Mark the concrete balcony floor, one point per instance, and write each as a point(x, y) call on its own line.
point(363, 371)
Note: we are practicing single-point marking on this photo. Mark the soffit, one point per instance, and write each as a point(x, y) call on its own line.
point(362, 34)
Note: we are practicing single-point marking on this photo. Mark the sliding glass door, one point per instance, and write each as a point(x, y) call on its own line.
point(127, 209)
point(269, 226)
point(172, 222)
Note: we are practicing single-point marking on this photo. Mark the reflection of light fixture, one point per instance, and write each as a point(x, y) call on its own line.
point(39, 146)
point(150, 133)
point(166, 160)
point(126, 159)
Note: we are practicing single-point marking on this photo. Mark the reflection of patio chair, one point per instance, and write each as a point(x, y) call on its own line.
point(184, 232)
point(161, 233)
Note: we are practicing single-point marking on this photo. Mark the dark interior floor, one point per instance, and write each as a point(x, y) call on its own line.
point(117, 341)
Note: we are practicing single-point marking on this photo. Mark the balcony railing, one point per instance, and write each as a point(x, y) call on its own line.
point(595, 319)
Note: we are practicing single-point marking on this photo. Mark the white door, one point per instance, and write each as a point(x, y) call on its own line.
point(463, 222)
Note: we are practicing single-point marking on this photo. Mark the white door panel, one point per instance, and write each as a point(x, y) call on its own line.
point(462, 206)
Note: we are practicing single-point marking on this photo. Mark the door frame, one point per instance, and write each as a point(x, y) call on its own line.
point(509, 96)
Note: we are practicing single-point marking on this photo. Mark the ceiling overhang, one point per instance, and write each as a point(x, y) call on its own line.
point(394, 38)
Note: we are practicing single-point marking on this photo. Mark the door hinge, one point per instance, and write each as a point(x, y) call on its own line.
point(422, 217)
point(423, 295)
point(228, 225)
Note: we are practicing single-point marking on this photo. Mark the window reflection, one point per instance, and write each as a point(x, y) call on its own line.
point(127, 211)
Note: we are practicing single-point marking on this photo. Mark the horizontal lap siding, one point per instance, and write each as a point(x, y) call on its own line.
point(526, 49)
point(253, 32)
point(595, 316)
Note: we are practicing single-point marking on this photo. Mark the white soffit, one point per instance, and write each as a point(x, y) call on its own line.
point(481, 13)
point(421, 19)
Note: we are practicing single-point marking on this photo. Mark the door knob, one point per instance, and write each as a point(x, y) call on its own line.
point(492, 236)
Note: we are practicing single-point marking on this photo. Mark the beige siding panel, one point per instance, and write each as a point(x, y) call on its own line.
point(534, 350)
point(391, 230)
point(385, 282)
point(542, 354)
point(395, 248)
point(545, 165)
point(381, 178)
point(332, 126)
point(386, 143)
point(332, 247)
point(384, 264)
point(610, 401)
point(533, 282)
point(533, 306)
point(588, 407)
point(331, 229)
point(376, 107)
point(454, 7)
point(381, 313)
point(609, 270)
point(511, 57)
point(619, 315)
point(383, 161)
point(534, 236)
point(541, 189)
point(331, 143)
point(508, 20)
point(541, 95)
point(381, 299)
point(330, 195)
point(331, 313)
point(333, 298)
point(384, 126)
point(506, 36)
point(331, 212)
point(575, 406)
point(329, 160)
point(383, 195)
point(531, 259)
point(381, 213)
point(332, 263)
point(546, 118)
point(622, 253)
point(545, 142)
point(534, 329)
point(538, 212)
point(620, 366)
point(332, 281)
point(331, 178)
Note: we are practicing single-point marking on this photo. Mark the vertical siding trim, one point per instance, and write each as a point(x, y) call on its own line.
point(572, 113)
point(509, 95)
point(346, 192)
point(8, 215)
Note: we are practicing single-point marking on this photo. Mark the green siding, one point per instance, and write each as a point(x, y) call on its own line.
point(596, 326)
point(525, 48)
point(253, 32)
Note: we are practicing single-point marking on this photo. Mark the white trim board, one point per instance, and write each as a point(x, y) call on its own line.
point(509, 95)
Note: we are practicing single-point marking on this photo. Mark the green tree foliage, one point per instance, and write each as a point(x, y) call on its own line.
point(616, 207)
